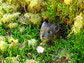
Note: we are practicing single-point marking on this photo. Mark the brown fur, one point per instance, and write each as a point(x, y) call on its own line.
point(48, 31)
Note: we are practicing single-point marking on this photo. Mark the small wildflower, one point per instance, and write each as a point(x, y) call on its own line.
point(32, 42)
point(10, 39)
point(40, 49)
point(14, 43)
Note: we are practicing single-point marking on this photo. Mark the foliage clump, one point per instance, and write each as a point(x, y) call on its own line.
point(30, 18)
point(32, 5)
point(7, 18)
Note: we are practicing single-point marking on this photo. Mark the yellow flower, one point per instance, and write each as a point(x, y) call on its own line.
point(10, 39)
point(15, 42)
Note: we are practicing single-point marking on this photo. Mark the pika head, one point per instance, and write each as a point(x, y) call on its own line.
point(48, 31)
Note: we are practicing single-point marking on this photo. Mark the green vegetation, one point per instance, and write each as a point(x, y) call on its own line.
point(19, 41)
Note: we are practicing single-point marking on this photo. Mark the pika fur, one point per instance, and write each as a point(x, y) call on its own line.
point(48, 31)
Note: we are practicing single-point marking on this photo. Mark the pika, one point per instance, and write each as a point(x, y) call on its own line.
point(48, 31)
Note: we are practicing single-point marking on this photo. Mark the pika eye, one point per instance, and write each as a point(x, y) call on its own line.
point(49, 32)
point(56, 28)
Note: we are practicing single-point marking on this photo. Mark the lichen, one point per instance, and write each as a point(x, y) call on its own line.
point(34, 18)
point(9, 17)
point(3, 45)
point(12, 25)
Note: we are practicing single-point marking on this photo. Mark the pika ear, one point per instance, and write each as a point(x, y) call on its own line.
point(44, 24)
point(57, 27)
